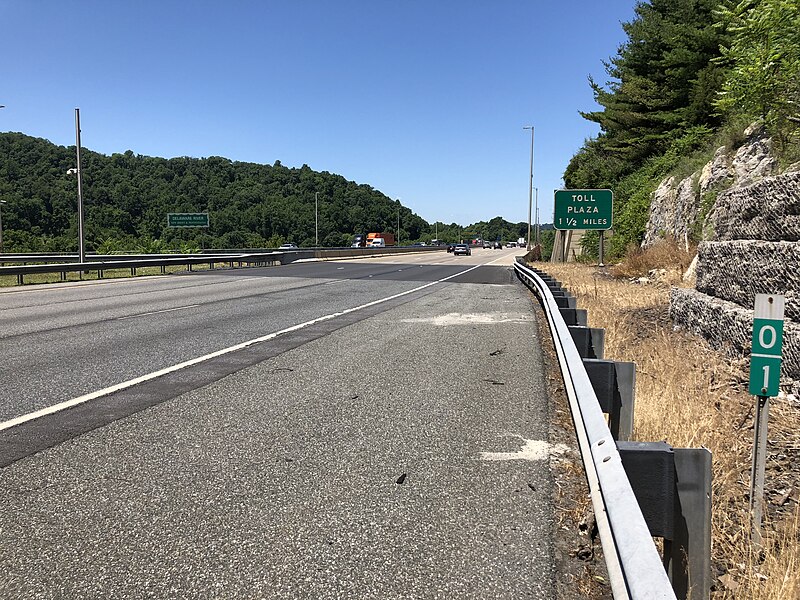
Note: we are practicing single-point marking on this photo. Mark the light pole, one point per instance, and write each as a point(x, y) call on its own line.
point(398, 222)
point(1, 222)
point(1, 212)
point(530, 192)
point(536, 215)
point(77, 171)
point(316, 219)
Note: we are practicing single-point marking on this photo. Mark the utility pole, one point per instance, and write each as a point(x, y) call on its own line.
point(530, 191)
point(316, 219)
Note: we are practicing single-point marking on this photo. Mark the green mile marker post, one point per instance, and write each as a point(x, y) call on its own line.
point(765, 376)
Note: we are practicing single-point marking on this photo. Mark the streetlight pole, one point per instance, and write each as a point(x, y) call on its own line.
point(530, 191)
point(316, 219)
point(1, 223)
point(398, 222)
point(1, 212)
point(537, 215)
point(81, 254)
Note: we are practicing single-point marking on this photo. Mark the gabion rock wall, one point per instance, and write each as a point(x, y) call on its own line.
point(766, 210)
point(728, 327)
point(758, 252)
point(738, 270)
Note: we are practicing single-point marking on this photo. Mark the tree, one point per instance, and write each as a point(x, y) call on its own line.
point(763, 60)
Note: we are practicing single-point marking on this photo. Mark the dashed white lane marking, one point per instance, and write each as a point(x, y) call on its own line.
point(157, 312)
point(49, 410)
point(531, 450)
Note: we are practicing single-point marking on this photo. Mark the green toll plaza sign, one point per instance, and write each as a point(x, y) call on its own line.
point(583, 209)
point(765, 357)
point(187, 220)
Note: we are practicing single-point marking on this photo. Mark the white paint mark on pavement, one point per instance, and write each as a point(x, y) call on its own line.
point(531, 450)
point(470, 319)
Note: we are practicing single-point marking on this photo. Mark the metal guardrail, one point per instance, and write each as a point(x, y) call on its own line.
point(634, 564)
point(103, 263)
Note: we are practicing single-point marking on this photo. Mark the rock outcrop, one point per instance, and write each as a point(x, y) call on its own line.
point(751, 245)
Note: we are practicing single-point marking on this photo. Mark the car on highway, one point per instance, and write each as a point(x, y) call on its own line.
point(461, 249)
point(450, 247)
point(487, 244)
point(498, 246)
point(287, 246)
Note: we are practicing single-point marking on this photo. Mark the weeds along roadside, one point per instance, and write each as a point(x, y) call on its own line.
point(689, 395)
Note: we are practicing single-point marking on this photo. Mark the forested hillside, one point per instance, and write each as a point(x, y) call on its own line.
point(127, 198)
point(691, 76)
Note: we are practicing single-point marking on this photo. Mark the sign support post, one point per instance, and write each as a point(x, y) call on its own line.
point(765, 367)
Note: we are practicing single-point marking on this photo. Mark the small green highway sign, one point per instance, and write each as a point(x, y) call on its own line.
point(187, 220)
point(583, 209)
point(765, 357)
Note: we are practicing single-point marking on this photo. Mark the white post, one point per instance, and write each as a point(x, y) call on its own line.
point(81, 254)
point(316, 219)
point(1, 225)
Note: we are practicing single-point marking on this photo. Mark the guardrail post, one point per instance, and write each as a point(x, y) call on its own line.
point(63, 276)
point(574, 316)
point(99, 273)
point(163, 269)
point(564, 300)
point(673, 489)
point(590, 341)
point(19, 279)
point(614, 384)
point(689, 552)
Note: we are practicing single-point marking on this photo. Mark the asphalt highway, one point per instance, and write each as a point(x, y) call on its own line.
point(373, 428)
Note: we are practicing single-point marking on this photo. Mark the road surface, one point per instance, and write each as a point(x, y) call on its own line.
point(374, 428)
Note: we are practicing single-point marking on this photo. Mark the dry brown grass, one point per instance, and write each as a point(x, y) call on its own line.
point(692, 396)
point(668, 254)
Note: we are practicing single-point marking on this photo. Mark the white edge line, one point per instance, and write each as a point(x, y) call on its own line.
point(49, 410)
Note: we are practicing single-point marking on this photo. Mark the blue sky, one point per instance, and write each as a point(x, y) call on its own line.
point(423, 100)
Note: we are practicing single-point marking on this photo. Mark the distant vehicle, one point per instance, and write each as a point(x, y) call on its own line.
point(287, 246)
point(487, 244)
point(521, 242)
point(498, 246)
point(461, 249)
point(386, 239)
point(511, 245)
point(450, 247)
point(359, 240)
